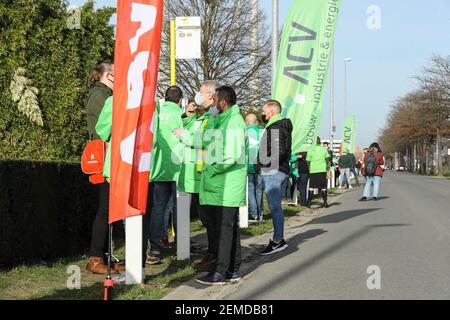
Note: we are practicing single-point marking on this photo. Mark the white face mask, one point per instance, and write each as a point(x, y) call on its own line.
point(214, 111)
point(199, 99)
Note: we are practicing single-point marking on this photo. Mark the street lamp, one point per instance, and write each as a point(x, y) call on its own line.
point(275, 31)
point(346, 61)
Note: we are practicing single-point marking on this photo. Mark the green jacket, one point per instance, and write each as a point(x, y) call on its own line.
point(293, 163)
point(189, 180)
point(224, 179)
point(103, 131)
point(196, 138)
point(345, 162)
point(254, 134)
point(95, 102)
point(168, 151)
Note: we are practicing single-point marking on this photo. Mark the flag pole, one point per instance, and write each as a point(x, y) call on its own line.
point(173, 70)
point(108, 283)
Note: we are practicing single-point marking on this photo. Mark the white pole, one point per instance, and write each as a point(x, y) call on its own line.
point(243, 213)
point(296, 194)
point(347, 61)
point(183, 226)
point(275, 33)
point(134, 273)
point(345, 92)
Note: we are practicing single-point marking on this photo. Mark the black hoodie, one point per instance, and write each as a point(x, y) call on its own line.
point(279, 134)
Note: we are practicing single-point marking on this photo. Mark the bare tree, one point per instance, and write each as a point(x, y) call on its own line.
point(229, 52)
point(420, 119)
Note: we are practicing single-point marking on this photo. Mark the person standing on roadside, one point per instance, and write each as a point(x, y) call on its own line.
point(255, 192)
point(373, 171)
point(206, 100)
point(102, 79)
point(274, 166)
point(166, 160)
point(345, 164)
point(223, 186)
point(317, 159)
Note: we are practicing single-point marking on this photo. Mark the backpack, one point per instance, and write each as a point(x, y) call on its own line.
point(370, 165)
point(93, 161)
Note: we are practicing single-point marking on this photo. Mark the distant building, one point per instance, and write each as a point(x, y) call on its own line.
point(336, 145)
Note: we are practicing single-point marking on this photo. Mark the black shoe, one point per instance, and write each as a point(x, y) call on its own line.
point(252, 218)
point(363, 199)
point(211, 279)
point(375, 199)
point(273, 248)
point(232, 277)
point(153, 259)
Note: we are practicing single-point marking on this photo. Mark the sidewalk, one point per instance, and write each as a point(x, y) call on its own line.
point(251, 246)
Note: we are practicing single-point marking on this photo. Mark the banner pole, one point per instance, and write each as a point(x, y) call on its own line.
point(173, 71)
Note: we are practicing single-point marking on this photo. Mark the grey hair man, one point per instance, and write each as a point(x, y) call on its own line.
point(193, 137)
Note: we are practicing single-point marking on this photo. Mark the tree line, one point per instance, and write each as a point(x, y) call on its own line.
point(45, 66)
point(418, 128)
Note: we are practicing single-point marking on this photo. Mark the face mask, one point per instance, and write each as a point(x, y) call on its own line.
point(199, 99)
point(214, 111)
point(265, 119)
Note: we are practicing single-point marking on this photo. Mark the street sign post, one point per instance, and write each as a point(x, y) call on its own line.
point(188, 38)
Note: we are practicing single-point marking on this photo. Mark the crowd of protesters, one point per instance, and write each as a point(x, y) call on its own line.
point(223, 160)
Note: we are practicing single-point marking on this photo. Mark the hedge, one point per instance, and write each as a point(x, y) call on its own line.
point(46, 211)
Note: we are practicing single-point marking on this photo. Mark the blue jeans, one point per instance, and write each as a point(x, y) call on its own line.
point(376, 187)
point(272, 188)
point(163, 192)
point(254, 195)
point(171, 208)
point(302, 187)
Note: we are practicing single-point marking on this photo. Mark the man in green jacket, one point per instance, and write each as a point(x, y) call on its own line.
point(192, 136)
point(223, 186)
point(167, 157)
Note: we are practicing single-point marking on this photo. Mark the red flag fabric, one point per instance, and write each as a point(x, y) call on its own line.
point(138, 42)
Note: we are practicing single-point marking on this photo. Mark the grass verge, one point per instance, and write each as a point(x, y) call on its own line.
point(49, 280)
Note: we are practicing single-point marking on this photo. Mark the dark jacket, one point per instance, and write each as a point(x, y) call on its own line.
point(95, 102)
point(345, 162)
point(353, 158)
point(302, 165)
point(279, 133)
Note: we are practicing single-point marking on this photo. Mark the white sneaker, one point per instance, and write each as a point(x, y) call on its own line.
point(350, 187)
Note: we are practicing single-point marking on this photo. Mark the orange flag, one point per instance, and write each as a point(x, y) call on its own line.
point(138, 42)
point(358, 153)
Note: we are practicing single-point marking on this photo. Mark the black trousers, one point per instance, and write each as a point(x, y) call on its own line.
point(99, 239)
point(206, 217)
point(225, 228)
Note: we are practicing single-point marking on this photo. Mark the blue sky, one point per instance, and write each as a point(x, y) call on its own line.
point(384, 61)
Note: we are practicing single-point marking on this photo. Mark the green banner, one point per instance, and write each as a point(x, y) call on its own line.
point(302, 70)
point(349, 135)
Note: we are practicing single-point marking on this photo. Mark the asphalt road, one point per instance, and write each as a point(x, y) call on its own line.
point(405, 236)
